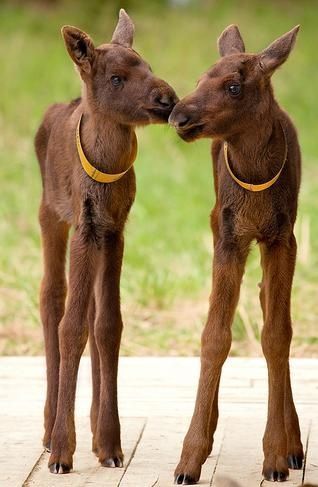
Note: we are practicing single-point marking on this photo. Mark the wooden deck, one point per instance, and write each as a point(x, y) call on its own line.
point(156, 397)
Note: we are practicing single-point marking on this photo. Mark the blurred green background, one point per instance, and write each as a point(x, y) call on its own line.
point(167, 269)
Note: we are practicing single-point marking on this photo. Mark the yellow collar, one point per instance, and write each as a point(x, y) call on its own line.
point(255, 187)
point(92, 172)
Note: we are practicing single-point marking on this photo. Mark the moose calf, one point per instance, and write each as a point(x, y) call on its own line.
point(86, 151)
point(256, 160)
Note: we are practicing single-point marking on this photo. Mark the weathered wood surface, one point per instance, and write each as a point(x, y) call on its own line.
point(156, 397)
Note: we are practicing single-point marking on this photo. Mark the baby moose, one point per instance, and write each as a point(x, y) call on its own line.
point(86, 151)
point(256, 160)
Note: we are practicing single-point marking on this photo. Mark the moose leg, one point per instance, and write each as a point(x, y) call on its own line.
point(228, 268)
point(52, 303)
point(95, 371)
point(278, 266)
point(295, 452)
point(73, 335)
point(108, 329)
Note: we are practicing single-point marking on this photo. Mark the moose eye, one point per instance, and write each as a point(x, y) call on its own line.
point(234, 89)
point(116, 80)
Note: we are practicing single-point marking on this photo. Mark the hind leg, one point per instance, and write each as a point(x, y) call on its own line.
point(278, 264)
point(95, 371)
point(295, 452)
point(52, 302)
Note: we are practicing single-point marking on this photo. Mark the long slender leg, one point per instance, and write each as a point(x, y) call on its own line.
point(52, 303)
point(295, 453)
point(95, 371)
point(228, 268)
point(278, 264)
point(73, 335)
point(108, 329)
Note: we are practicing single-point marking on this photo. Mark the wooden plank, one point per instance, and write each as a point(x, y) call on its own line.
point(241, 456)
point(161, 390)
point(20, 448)
point(86, 467)
point(241, 452)
point(175, 379)
point(158, 453)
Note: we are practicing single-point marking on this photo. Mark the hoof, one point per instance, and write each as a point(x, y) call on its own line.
point(59, 468)
point(112, 462)
point(184, 479)
point(275, 476)
point(295, 462)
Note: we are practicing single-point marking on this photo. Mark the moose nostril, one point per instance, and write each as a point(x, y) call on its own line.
point(182, 120)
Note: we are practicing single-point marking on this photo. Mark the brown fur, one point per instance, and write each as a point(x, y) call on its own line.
point(97, 212)
point(252, 122)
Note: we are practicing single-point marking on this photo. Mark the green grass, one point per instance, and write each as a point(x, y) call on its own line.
point(167, 269)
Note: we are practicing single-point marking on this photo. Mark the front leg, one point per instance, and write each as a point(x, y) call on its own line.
point(108, 329)
point(228, 268)
point(73, 333)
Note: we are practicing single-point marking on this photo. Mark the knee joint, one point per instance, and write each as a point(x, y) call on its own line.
point(217, 345)
point(276, 342)
point(107, 331)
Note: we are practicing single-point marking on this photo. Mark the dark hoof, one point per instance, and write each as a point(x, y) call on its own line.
point(274, 476)
point(184, 479)
point(295, 462)
point(59, 468)
point(113, 462)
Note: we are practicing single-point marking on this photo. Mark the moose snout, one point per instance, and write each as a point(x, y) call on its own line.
point(181, 116)
point(178, 120)
point(186, 119)
point(164, 98)
point(161, 102)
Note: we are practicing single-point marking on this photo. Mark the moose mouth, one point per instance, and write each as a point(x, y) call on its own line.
point(190, 133)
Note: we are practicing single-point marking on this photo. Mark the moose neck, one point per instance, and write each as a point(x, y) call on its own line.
point(256, 154)
point(108, 145)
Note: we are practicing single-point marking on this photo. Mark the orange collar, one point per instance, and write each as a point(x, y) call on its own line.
point(92, 172)
point(255, 187)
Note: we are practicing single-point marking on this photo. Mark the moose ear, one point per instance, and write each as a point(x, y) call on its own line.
point(230, 41)
point(124, 31)
point(276, 54)
point(79, 46)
